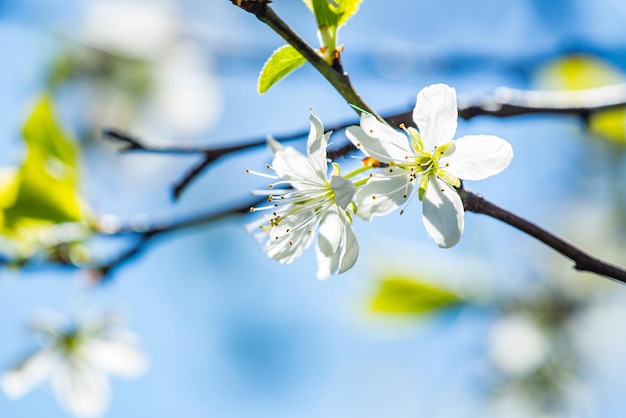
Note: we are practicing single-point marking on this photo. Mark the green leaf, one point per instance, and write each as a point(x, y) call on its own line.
point(46, 183)
point(326, 13)
point(343, 9)
point(400, 295)
point(347, 8)
point(282, 62)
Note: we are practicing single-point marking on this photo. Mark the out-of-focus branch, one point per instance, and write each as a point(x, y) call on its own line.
point(146, 236)
point(582, 260)
point(141, 238)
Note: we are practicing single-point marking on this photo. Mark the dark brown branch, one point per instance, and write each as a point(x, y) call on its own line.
point(337, 78)
point(211, 154)
point(505, 102)
point(582, 260)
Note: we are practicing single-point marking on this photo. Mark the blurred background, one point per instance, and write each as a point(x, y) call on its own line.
point(497, 326)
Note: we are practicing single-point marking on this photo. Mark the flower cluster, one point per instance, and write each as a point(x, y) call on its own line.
point(314, 203)
point(426, 159)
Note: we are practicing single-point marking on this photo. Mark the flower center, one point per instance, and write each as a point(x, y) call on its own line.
point(70, 342)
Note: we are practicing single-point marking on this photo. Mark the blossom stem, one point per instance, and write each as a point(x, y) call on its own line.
point(357, 171)
point(361, 182)
point(582, 260)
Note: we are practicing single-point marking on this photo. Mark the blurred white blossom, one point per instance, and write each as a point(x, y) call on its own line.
point(134, 29)
point(517, 345)
point(186, 94)
point(150, 74)
point(76, 358)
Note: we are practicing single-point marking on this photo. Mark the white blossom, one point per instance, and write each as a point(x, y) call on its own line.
point(517, 345)
point(76, 359)
point(313, 204)
point(430, 159)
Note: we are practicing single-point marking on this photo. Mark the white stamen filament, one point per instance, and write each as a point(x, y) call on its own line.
point(257, 173)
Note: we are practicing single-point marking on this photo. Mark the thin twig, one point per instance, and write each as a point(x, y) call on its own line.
point(146, 235)
point(582, 260)
point(211, 154)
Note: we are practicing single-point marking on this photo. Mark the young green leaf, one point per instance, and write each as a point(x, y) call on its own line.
point(347, 8)
point(282, 62)
point(344, 9)
point(45, 186)
point(326, 13)
point(401, 295)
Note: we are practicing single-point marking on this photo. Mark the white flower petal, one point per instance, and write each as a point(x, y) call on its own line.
point(332, 233)
point(443, 213)
point(436, 114)
point(81, 390)
point(316, 145)
point(274, 145)
point(350, 250)
point(28, 373)
point(117, 357)
point(294, 167)
point(383, 193)
point(344, 190)
point(291, 237)
point(378, 140)
point(477, 157)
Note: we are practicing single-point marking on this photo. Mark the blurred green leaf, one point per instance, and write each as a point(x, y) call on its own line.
point(407, 296)
point(282, 62)
point(577, 72)
point(44, 189)
point(610, 124)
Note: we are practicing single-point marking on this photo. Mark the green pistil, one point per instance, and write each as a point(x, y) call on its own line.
point(70, 342)
point(427, 164)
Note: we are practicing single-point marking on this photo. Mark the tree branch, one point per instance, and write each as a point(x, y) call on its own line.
point(102, 270)
point(338, 79)
point(507, 102)
point(504, 103)
point(582, 260)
